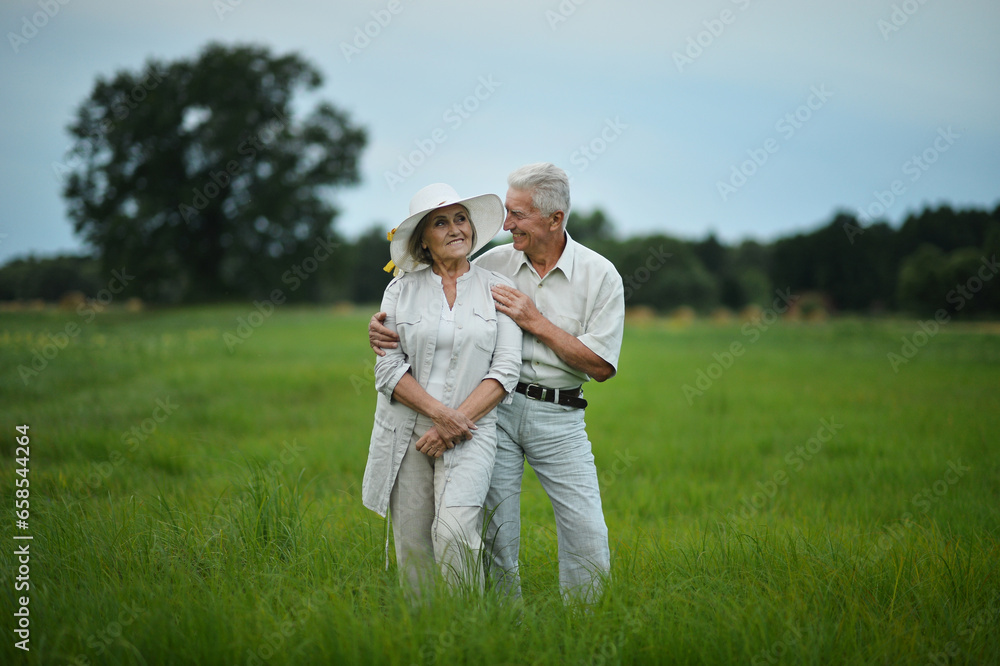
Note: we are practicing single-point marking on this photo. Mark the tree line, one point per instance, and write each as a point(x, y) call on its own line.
point(937, 258)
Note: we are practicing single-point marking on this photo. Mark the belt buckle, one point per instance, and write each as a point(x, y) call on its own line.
point(540, 393)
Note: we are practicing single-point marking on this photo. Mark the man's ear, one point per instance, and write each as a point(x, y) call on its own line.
point(557, 218)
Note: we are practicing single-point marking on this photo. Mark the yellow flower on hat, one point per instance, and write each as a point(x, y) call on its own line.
point(391, 266)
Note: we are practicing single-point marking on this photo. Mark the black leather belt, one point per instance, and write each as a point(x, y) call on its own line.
point(565, 397)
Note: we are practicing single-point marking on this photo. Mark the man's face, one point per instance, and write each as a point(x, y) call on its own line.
point(526, 222)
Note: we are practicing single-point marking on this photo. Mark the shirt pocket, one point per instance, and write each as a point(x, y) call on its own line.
point(569, 324)
point(483, 328)
point(407, 327)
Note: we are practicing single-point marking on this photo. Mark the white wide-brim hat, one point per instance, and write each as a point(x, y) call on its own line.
point(486, 213)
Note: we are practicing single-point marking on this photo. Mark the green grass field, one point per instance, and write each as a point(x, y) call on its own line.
point(802, 502)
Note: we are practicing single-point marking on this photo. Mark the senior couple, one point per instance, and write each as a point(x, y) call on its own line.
point(480, 368)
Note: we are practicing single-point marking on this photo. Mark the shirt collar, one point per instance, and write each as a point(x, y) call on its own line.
point(565, 261)
point(568, 258)
point(434, 277)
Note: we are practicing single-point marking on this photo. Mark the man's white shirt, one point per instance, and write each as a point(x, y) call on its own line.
point(582, 294)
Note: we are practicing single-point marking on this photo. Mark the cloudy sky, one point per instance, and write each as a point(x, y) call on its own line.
point(749, 118)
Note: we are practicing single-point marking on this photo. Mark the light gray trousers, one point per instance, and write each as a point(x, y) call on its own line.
point(553, 439)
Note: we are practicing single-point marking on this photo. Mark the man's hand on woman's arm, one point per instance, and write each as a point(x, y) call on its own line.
point(380, 337)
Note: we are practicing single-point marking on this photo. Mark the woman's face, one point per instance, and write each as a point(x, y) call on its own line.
point(448, 233)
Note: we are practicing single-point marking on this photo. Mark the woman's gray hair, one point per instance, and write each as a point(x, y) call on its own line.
point(421, 255)
point(548, 184)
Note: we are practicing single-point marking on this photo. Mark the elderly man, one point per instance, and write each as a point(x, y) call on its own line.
point(569, 302)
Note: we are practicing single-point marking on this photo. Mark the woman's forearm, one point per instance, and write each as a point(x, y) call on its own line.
point(483, 398)
point(452, 423)
point(409, 392)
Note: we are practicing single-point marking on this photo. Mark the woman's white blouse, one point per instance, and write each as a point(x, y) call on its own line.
point(443, 349)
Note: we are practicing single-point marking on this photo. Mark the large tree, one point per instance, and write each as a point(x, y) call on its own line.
point(197, 177)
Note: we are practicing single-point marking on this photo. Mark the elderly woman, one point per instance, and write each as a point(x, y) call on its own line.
point(434, 439)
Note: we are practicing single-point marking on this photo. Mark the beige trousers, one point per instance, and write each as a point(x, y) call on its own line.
point(429, 535)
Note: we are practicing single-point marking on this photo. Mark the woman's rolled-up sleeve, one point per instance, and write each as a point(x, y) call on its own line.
point(506, 364)
point(389, 369)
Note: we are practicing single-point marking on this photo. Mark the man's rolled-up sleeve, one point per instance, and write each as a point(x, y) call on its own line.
point(605, 328)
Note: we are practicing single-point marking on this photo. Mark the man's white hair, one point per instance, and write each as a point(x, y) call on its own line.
point(548, 184)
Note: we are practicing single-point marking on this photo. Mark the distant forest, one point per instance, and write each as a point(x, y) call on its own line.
point(937, 258)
